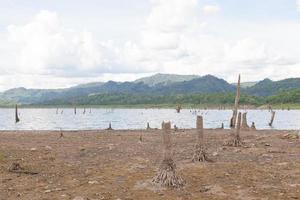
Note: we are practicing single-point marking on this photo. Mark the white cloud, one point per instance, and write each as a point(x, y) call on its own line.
point(174, 39)
point(298, 5)
point(211, 9)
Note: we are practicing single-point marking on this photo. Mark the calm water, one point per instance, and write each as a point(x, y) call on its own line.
point(47, 119)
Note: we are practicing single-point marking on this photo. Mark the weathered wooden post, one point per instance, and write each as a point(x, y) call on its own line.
point(75, 110)
point(16, 114)
point(236, 103)
point(83, 111)
point(200, 153)
point(272, 117)
point(167, 175)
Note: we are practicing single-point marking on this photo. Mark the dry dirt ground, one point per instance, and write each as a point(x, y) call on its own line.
point(116, 165)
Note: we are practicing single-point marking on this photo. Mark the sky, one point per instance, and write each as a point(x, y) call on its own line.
point(61, 43)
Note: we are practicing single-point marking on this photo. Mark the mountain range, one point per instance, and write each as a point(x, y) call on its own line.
point(156, 85)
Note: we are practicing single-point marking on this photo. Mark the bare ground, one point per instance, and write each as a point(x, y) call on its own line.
point(116, 165)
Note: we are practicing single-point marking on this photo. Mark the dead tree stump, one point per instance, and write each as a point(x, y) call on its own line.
point(178, 109)
point(253, 126)
point(272, 118)
point(17, 119)
point(245, 126)
point(109, 127)
point(148, 126)
point(236, 140)
point(167, 175)
point(200, 151)
point(236, 103)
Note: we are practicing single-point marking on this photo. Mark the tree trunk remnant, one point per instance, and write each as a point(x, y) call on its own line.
point(200, 151)
point(245, 126)
point(167, 175)
point(236, 140)
point(17, 119)
point(236, 103)
point(272, 118)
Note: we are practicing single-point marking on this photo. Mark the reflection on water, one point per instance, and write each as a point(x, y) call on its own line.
point(51, 119)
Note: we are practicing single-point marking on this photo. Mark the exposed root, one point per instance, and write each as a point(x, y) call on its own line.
point(167, 175)
point(235, 142)
point(200, 154)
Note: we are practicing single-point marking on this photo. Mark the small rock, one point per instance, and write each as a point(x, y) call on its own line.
point(48, 148)
point(267, 145)
point(93, 182)
point(215, 154)
point(48, 191)
point(78, 198)
point(33, 149)
point(205, 189)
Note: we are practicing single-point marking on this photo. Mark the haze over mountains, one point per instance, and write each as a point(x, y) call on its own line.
point(156, 85)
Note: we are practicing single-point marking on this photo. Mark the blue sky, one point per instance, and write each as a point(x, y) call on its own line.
point(60, 43)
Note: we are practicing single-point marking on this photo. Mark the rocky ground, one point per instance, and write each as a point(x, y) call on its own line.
point(40, 165)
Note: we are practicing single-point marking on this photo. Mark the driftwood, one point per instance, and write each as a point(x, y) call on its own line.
point(17, 119)
point(272, 118)
point(167, 175)
point(200, 151)
point(236, 103)
point(236, 140)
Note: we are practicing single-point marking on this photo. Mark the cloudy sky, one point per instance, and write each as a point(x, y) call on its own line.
point(60, 43)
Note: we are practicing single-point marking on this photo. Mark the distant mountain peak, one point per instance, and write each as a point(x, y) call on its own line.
point(165, 79)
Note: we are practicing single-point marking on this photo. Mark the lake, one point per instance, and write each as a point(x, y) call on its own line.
point(50, 119)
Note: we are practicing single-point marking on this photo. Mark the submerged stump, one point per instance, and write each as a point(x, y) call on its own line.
point(166, 175)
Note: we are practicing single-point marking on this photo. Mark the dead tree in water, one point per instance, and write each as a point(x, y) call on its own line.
point(236, 140)
point(245, 126)
point(167, 175)
point(109, 127)
point(200, 153)
point(253, 126)
point(236, 103)
point(272, 118)
point(16, 114)
point(148, 126)
point(178, 109)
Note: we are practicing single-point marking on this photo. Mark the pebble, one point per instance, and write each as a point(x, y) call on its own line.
point(78, 198)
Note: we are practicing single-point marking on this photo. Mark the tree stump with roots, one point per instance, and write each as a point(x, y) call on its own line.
point(200, 154)
point(236, 140)
point(167, 175)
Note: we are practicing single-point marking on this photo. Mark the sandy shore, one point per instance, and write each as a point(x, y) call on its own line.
point(116, 165)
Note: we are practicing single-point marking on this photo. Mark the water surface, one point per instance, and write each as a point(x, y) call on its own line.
point(47, 119)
